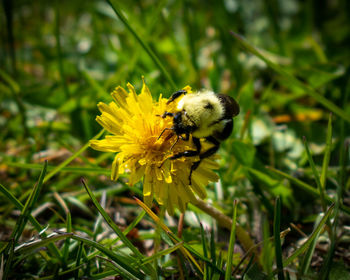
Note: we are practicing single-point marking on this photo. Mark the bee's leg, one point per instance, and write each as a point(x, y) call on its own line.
point(165, 129)
point(195, 165)
point(206, 154)
point(177, 140)
point(198, 145)
point(176, 95)
point(190, 153)
point(185, 154)
point(212, 150)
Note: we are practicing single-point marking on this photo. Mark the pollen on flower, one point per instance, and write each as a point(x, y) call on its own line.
point(135, 125)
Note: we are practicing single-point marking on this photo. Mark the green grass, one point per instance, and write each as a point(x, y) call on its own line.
point(287, 64)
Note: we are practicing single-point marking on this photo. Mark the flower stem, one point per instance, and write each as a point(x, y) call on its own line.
point(226, 222)
point(178, 256)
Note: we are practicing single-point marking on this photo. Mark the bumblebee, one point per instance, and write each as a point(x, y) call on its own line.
point(202, 114)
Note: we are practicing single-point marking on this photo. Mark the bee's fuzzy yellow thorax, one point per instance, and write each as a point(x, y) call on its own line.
point(201, 109)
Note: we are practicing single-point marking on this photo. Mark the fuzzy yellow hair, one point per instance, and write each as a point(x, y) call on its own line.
point(203, 110)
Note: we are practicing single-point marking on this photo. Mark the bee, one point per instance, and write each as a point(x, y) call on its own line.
point(203, 115)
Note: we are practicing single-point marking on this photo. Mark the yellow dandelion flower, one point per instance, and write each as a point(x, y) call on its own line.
point(135, 124)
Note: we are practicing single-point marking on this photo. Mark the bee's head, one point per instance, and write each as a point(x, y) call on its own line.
point(177, 124)
point(182, 124)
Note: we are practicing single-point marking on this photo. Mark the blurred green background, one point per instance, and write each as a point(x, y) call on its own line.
point(58, 59)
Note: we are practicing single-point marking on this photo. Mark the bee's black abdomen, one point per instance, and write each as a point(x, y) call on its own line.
point(226, 132)
point(230, 105)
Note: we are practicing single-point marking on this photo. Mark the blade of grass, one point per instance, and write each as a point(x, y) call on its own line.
point(277, 239)
point(232, 242)
point(110, 222)
point(198, 255)
point(176, 239)
point(70, 272)
point(71, 158)
point(162, 253)
point(115, 228)
point(215, 275)
point(156, 219)
point(313, 235)
point(125, 264)
point(204, 246)
point(103, 275)
point(180, 263)
point(77, 260)
point(317, 49)
point(327, 154)
point(226, 222)
point(282, 235)
point(117, 268)
point(307, 188)
point(128, 228)
point(342, 176)
point(131, 226)
point(308, 255)
point(52, 247)
point(158, 236)
point(59, 49)
point(114, 190)
point(98, 227)
point(101, 92)
point(149, 51)
point(22, 221)
point(111, 242)
point(9, 258)
point(73, 169)
point(2, 261)
point(316, 175)
point(327, 264)
point(343, 145)
point(11, 82)
point(308, 89)
point(82, 157)
point(30, 246)
point(29, 205)
point(212, 249)
point(248, 267)
point(65, 208)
